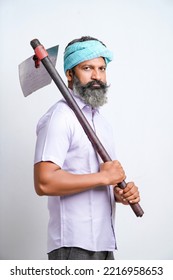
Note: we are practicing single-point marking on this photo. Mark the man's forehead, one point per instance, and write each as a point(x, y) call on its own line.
point(98, 61)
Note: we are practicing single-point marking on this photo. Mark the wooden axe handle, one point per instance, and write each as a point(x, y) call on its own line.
point(42, 54)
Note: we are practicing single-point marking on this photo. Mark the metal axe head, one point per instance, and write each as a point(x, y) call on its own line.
point(33, 75)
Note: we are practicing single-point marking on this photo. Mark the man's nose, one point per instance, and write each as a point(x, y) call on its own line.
point(96, 74)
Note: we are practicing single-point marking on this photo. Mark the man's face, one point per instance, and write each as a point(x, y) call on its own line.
point(91, 70)
point(88, 80)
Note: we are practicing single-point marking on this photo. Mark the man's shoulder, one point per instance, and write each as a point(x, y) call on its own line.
point(60, 113)
point(59, 108)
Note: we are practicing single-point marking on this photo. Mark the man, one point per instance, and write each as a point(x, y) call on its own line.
point(81, 190)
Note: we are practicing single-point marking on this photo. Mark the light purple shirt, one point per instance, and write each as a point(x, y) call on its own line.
point(86, 219)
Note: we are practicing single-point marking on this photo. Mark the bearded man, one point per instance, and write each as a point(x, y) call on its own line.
point(82, 191)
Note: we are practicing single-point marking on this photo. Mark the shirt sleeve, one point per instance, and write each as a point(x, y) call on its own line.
point(53, 137)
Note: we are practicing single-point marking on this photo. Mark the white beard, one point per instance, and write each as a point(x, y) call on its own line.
point(95, 97)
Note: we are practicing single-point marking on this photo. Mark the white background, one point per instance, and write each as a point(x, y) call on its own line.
point(140, 33)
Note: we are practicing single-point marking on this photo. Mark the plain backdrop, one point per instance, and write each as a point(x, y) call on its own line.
point(140, 33)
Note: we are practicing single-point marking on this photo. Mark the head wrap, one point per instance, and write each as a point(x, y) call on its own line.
point(86, 50)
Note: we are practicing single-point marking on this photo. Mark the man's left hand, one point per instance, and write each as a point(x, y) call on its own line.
point(128, 195)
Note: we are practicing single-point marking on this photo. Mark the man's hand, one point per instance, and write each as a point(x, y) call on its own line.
point(112, 172)
point(128, 195)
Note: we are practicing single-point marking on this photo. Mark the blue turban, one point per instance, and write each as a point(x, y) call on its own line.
point(86, 50)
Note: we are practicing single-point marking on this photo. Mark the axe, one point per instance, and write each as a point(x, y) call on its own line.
point(33, 77)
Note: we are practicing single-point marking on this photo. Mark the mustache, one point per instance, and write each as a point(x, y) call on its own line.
point(90, 85)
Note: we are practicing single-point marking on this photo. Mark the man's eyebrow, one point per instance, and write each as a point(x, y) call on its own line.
point(92, 65)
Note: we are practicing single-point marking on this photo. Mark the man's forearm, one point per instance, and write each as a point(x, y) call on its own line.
point(51, 180)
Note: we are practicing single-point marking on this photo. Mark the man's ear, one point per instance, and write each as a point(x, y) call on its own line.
point(69, 75)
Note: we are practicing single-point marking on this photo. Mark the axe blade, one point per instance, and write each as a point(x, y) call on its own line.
point(32, 78)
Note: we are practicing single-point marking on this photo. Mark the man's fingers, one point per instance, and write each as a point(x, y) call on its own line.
point(130, 194)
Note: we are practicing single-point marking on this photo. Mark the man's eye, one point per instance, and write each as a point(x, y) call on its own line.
point(103, 69)
point(86, 68)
